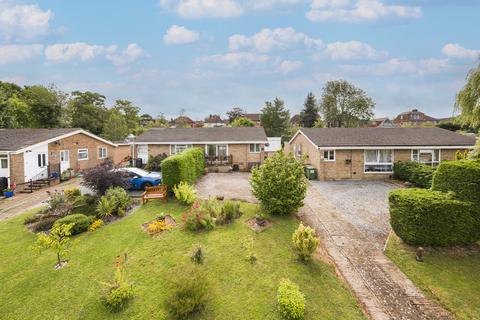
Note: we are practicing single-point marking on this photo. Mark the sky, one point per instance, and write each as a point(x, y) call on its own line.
point(207, 56)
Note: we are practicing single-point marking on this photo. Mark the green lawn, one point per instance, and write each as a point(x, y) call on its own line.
point(453, 279)
point(32, 289)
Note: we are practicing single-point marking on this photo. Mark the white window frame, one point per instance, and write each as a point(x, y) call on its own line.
point(255, 149)
point(365, 163)
point(174, 148)
point(62, 155)
point(79, 151)
point(216, 148)
point(4, 157)
point(100, 153)
point(297, 150)
point(41, 159)
point(329, 153)
point(434, 162)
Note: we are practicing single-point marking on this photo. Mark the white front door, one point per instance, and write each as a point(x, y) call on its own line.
point(142, 151)
point(64, 160)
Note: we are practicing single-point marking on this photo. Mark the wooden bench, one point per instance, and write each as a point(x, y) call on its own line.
point(157, 192)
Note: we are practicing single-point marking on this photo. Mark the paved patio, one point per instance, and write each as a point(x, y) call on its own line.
point(233, 185)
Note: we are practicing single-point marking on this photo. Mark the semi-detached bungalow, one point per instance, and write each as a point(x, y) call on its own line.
point(34, 154)
point(240, 148)
point(369, 153)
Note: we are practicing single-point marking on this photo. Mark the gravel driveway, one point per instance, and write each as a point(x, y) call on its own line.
point(363, 203)
point(233, 185)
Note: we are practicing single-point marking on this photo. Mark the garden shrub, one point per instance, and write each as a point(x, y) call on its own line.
point(87, 204)
point(212, 206)
point(197, 256)
point(196, 219)
point(105, 207)
point(461, 177)
point(305, 242)
point(189, 295)
point(96, 224)
point(120, 198)
point(433, 218)
point(291, 301)
point(32, 218)
point(80, 222)
point(228, 212)
point(185, 193)
point(118, 293)
point(251, 256)
point(104, 176)
point(279, 184)
point(58, 240)
point(155, 162)
point(419, 174)
point(157, 226)
point(72, 194)
point(186, 166)
point(44, 224)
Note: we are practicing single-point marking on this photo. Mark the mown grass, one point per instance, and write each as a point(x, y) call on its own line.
point(32, 289)
point(452, 277)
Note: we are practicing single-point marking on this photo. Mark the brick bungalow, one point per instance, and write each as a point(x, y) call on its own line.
point(35, 154)
point(369, 153)
point(242, 147)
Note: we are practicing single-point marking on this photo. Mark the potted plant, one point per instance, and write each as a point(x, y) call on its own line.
point(8, 193)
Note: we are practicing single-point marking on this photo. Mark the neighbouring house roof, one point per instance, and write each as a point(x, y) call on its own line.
point(386, 137)
point(202, 135)
point(182, 119)
point(18, 139)
point(253, 116)
point(213, 118)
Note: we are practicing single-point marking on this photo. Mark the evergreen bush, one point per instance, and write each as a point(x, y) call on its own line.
point(461, 177)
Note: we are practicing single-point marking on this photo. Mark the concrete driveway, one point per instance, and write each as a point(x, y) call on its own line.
point(233, 185)
point(362, 203)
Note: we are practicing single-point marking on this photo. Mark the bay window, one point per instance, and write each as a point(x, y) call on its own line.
point(177, 148)
point(429, 157)
point(379, 161)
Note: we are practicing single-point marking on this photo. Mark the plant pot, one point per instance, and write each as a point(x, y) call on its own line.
point(8, 194)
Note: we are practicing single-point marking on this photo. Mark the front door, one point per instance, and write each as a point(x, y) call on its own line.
point(143, 153)
point(64, 160)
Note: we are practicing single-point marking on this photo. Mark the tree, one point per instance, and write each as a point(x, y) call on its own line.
point(104, 176)
point(468, 100)
point(45, 106)
point(279, 184)
point(235, 113)
point(344, 105)
point(319, 123)
point(88, 111)
point(309, 114)
point(116, 127)
point(15, 113)
point(130, 112)
point(242, 122)
point(146, 119)
point(275, 119)
point(57, 240)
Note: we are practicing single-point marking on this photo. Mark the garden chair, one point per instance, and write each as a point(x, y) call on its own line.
point(157, 192)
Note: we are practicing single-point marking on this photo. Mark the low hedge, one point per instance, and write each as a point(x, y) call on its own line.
point(186, 166)
point(81, 222)
point(461, 177)
point(417, 173)
point(433, 218)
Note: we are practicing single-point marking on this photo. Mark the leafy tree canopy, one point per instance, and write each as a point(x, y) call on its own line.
point(242, 122)
point(468, 100)
point(275, 118)
point(309, 114)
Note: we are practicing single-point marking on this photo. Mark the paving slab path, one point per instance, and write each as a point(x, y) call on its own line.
point(381, 288)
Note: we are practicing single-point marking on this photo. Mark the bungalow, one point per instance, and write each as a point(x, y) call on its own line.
point(369, 153)
point(36, 154)
point(241, 148)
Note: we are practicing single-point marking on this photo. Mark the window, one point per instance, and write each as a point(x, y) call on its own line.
point(102, 153)
point(3, 161)
point(429, 157)
point(42, 160)
point(255, 148)
point(64, 156)
point(177, 148)
point(379, 161)
point(328, 155)
point(297, 150)
point(216, 150)
point(82, 154)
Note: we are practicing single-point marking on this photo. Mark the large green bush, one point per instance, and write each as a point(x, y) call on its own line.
point(291, 301)
point(461, 177)
point(186, 166)
point(80, 222)
point(279, 184)
point(417, 173)
point(425, 217)
point(305, 242)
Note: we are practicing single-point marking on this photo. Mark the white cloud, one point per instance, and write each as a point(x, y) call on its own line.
point(132, 53)
point(194, 9)
point(19, 53)
point(352, 50)
point(234, 60)
point(454, 50)
point(23, 22)
point(270, 39)
point(396, 67)
point(287, 66)
point(64, 52)
point(359, 10)
point(180, 35)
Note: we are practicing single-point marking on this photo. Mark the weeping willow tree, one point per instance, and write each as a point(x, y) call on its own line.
point(468, 103)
